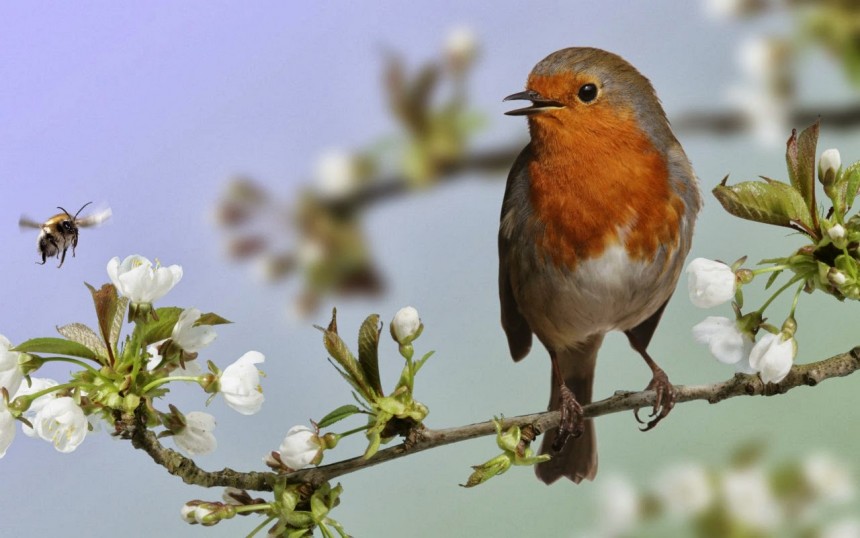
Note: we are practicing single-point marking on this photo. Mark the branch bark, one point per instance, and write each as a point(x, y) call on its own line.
point(810, 374)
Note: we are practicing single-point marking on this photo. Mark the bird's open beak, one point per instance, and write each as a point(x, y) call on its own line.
point(539, 103)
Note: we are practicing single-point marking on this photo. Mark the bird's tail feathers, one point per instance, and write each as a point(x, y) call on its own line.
point(577, 460)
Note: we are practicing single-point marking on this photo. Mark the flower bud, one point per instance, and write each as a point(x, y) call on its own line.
point(836, 277)
point(828, 166)
point(837, 234)
point(406, 326)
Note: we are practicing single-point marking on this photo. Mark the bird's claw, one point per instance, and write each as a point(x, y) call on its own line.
point(664, 400)
point(572, 423)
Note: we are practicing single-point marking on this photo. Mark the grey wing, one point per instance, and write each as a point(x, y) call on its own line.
point(27, 222)
point(95, 219)
point(515, 325)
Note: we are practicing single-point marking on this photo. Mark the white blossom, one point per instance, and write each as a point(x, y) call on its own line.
point(710, 283)
point(337, 173)
point(406, 324)
point(7, 428)
point(62, 422)
point(724, 9)
point(685, 490)
point(300, 447)
point(618, 504)
point(136, 278)
point(726, 342)
point(197, 437)
point(848, 527)
point(37, 384)
point(749, 499)
point(189, 337)
point(461, 46)
point(240, 384)
point(10, 366)
point(772, 357)
point(192, 368)
point(829, 479)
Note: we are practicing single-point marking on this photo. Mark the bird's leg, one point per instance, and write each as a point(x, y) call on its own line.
point(665, 393)
point(572, 421)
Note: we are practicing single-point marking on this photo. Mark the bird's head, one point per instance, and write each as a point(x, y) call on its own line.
point(591, 90)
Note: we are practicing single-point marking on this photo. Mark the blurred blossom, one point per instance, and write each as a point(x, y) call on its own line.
point(271, 267)
point(845, 528)
point(749, 499)
point(309, 253)
point(684, 490)
point(829, 479)
point(618, 506)
point(461, 46)
point(337, 173)
point(726, 9)
point(765, 92)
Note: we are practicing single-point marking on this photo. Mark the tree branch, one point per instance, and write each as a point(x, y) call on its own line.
point(423, 439)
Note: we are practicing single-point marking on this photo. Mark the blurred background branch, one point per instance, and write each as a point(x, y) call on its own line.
point(327, 242)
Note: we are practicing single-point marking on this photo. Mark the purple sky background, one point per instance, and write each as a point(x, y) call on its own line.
point(149, 108)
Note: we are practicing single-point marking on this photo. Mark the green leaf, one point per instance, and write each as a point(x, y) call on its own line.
point(80, 333)
point(368, 351)
point(848, 185)
point(338, 414)
point(155, 330)
point(211, 318)
point(422, 360)
point(56, 346)
point(106, 301)
point(771, 202)
point(772, 279)
point(800, 157)
point(341, 354)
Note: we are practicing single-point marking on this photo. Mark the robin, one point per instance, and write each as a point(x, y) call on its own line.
point(597, 219)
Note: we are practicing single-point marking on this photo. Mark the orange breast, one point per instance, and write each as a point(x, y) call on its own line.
point(597, 184)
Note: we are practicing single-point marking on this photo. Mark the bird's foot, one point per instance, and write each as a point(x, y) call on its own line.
point(664, 400)
point(572, 423)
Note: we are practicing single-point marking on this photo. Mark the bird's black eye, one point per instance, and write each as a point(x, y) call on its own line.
point(587, 93)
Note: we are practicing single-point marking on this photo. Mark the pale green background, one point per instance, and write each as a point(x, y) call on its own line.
point(150, 107)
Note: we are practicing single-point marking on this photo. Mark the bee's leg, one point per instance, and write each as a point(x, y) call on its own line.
point(62, 257)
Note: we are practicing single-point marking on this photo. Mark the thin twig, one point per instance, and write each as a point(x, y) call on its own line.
point(740, 385)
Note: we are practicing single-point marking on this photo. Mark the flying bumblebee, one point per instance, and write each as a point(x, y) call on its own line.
point(60, 232)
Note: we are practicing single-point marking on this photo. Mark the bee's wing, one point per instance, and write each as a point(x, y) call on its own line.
point(27, 222)
point(95, 219)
